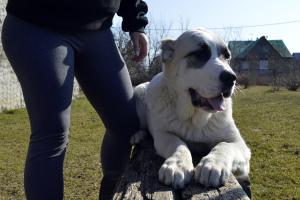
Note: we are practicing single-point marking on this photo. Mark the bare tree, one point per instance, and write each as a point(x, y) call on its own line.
point(137, 71)
point(152, 65)
point(156, 31)
point(233, 34)
point(230, 33)
point(184, 23)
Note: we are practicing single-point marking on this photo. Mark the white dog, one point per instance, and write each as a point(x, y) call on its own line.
point(187, 108)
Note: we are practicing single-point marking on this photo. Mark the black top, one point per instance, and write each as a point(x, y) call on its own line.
point(81, 14)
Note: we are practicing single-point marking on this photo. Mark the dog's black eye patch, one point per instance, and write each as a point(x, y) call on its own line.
point(199, 57)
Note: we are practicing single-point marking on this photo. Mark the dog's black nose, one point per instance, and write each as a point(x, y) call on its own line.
point(227, 78)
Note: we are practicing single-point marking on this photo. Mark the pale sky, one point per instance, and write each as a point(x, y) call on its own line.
point(234, 13)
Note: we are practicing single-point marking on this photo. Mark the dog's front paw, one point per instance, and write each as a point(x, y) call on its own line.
point(212, 171)
point(138, 137)
point(176, 172)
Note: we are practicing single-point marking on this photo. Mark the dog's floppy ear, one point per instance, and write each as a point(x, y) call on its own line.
point(168, 48)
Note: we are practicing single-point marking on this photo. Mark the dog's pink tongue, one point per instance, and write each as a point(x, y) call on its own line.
point(217, 103)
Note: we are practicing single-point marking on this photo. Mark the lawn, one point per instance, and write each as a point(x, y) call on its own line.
point(268, 121)
point(82, 168)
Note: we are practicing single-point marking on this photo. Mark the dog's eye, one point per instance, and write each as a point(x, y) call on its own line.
point(201, 54)
point(198, 54)
point(226, 55)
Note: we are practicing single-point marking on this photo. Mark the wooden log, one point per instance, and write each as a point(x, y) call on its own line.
point(140, 181)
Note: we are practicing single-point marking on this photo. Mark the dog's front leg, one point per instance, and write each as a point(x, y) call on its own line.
point(226, 157)
point(177, 169)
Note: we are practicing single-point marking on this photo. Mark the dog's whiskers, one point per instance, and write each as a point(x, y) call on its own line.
point(238, 88)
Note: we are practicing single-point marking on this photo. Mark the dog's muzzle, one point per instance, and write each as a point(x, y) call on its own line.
point(217, 103)
point(208, 104)
point(228, 80)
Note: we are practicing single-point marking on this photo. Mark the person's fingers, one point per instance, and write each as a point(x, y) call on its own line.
point(136, 44)
point(143, 46)
point(140, 46)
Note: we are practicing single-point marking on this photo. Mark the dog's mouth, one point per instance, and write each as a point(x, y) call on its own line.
point(217, 103)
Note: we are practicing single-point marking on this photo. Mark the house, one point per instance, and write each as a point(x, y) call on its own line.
point(296, 57)
point(296, 62)
point(263, 57)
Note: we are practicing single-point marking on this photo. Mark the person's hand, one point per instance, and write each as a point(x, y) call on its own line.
point(140, 46)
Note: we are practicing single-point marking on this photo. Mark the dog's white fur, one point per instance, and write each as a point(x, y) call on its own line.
point(179, 128)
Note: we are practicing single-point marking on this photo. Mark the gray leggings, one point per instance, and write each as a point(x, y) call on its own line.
point(45, 62)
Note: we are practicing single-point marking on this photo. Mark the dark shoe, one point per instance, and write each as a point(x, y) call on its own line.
point(108, 184)
point(246, 185)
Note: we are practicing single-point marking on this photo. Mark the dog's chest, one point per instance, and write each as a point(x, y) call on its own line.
point(200, 133)
point(198, 141)
point(189, 132)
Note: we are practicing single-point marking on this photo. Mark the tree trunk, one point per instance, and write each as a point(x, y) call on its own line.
point(140, 181)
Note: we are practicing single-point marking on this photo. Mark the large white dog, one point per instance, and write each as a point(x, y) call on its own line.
point(187, 108)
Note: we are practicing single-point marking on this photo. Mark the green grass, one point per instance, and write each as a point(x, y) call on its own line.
point(267, 120)
point(82, 168)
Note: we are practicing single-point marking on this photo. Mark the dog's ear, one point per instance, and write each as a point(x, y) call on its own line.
point(168, 48)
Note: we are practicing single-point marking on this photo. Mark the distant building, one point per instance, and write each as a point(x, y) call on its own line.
point(296, 61)
point(262, 56)
point(296, 57)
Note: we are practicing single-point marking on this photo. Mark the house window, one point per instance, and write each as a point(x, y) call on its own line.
point(264, 64)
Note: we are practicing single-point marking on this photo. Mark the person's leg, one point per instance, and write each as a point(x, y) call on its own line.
point(105, 80)
point(43, 63)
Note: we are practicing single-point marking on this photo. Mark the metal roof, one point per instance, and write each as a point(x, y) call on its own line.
point(240, 49)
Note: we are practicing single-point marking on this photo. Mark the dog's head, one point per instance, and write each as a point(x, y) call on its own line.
point(197, 65)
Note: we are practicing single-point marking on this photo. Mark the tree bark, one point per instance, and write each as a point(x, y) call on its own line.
point(140, 181)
